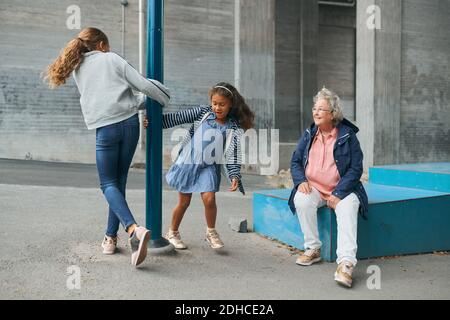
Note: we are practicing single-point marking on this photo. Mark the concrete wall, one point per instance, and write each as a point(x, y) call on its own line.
point(315, 46)
point(378, 79)
point(296, 30)
point(402, 82)
point(257, 58)
point(425, 82)
point(200, 46)
point(336, 54)
point(387, 83)
point(365, 78)
point(198, 53)
point(42, 124)
point(285, 51)
point(288, 70)
point(35, 122)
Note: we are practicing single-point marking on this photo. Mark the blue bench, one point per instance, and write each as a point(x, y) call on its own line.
point(402, 220)
point(429, 176)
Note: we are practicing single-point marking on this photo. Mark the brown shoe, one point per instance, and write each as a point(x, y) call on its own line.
point(309, 257)
point(138, 243)
point(343, 274)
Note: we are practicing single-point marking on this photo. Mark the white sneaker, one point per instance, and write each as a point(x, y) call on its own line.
point(175, 239)
point(138, 243)
point(213, 239)
point(109, 245)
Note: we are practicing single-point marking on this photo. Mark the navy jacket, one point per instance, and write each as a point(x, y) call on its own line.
point(349, 162)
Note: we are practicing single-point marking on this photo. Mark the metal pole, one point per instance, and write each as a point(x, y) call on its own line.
point(142, 26)
point(141, 36)
point(124, 3)
point(154, 130)
point(237, 45)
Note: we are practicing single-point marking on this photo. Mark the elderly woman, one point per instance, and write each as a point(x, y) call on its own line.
point(326, 169)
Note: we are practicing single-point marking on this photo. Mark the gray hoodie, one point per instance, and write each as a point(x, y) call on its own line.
point(106, 83)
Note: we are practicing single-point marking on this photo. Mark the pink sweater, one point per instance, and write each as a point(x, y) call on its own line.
point(321, 170)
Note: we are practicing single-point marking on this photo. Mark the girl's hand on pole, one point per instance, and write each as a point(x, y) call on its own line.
point(234, 185)
point(145, 122)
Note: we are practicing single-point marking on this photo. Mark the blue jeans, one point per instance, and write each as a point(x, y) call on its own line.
point(115, 147)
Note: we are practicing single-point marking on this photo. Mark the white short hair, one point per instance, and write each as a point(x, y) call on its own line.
point(334, 104)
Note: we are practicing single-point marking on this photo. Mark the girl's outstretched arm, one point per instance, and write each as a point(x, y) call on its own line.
point(150, 87)
point(181, 117)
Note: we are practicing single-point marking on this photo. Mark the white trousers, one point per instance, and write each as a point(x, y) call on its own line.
point(346, 218)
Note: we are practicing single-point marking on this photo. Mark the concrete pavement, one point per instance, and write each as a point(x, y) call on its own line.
point(53, 218)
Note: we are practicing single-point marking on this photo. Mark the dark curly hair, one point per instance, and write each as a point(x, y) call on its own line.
point(239, 108)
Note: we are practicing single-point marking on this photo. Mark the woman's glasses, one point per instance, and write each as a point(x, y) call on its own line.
point(321, 110)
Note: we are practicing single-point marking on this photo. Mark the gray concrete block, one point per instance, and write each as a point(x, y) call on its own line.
point(238, 224)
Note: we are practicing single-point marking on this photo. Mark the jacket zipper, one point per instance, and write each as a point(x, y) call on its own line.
point(344, 136)
point(307, 147)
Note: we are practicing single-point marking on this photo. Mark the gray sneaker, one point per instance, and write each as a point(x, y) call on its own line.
point(138, 243)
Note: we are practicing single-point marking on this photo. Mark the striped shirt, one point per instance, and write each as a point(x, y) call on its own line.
point(233, 156)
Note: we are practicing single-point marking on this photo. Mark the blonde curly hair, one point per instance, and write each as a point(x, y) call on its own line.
point(71, 56)
point(333, 102)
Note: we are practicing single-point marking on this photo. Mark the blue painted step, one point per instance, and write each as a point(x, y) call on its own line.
point(401, 221)
point(430, 176)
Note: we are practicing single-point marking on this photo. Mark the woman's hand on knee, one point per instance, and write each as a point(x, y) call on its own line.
point(333, 202)
point(304, 188)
